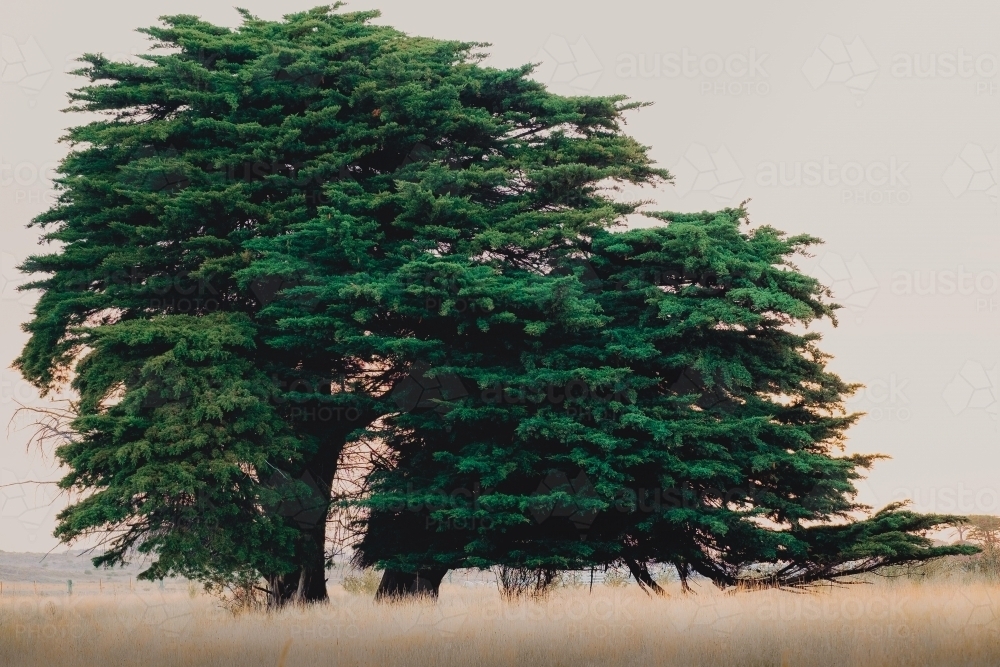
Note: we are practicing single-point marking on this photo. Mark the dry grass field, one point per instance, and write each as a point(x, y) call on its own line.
point(901, 622)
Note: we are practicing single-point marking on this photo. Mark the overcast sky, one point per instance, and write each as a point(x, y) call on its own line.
point(871, 125)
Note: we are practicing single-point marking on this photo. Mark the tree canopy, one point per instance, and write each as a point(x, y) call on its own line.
point(647, 404)
point(286, 237)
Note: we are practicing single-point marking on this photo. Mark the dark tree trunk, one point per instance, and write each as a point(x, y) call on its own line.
point(309, 513)
point(396, 585)
point(643, 577)
point(307, 583)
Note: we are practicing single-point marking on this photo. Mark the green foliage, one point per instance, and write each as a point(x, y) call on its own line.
point(239, 594)
point(704, 433)
point(285, 237)
point(183, 447)
point(203, 347)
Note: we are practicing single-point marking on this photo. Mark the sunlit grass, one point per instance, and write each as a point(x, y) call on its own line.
point(888, 622)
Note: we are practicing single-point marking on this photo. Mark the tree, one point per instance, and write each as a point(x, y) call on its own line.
point(288, 236)
point(521, 189)
point(228, 136)
point(176, 459)
point(178, 305)
point(656, 405)
point(984, 532)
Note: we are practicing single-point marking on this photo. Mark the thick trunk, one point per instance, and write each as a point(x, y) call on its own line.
point(643, 577)
point(307, 583)
point(396, 585)
point(309, 512)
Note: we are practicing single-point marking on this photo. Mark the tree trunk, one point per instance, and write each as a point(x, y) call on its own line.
point(643, 577)
point(309, 513)
point(307, 583)
point(396, 585)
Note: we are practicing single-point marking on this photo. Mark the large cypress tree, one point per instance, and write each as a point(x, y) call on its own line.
point(280, 230)
point(215, 396)
point(226, 136)
point(650, 403)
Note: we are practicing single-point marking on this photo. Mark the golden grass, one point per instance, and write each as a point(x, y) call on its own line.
point(889, 622)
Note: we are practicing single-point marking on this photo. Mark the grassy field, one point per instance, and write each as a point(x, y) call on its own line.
point(888, 622)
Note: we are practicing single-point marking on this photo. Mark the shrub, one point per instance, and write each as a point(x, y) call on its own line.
point(364, 582)
point(616, 578)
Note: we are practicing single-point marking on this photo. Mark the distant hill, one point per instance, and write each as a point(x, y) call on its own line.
point(57, 567)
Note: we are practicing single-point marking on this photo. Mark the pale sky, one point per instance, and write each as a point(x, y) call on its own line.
point(871, 125)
